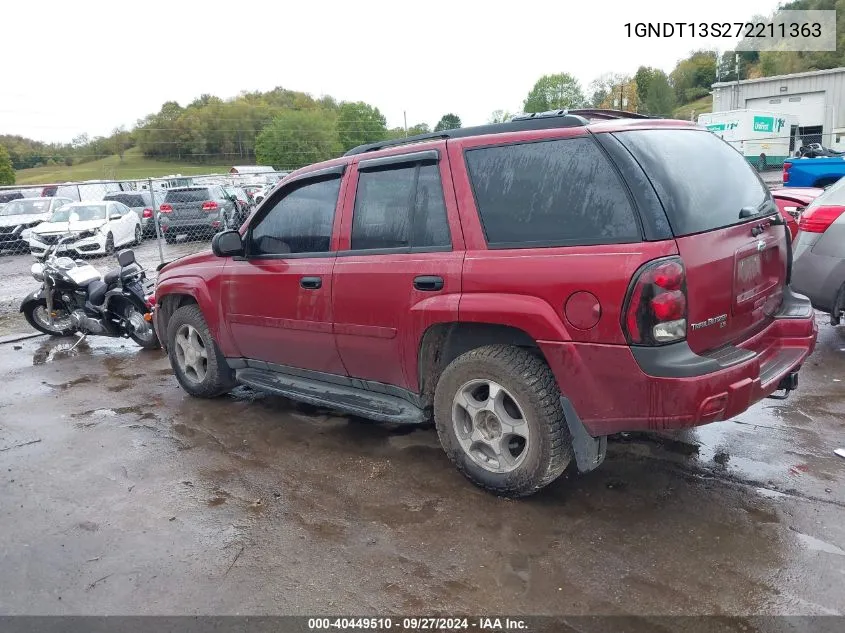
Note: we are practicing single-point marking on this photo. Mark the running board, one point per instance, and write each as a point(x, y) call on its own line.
point(351, 400)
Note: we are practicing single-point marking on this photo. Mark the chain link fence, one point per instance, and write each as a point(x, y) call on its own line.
point(161, 219)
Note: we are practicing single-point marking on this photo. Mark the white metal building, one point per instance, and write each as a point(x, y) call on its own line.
point(817, 98)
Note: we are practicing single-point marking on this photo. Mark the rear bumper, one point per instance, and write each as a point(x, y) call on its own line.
point(611, 392)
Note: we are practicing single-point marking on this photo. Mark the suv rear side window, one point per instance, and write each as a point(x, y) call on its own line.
point(550, 193)
point(400, 208)
point(702, 181)
point(187, 195)
point(299, 222)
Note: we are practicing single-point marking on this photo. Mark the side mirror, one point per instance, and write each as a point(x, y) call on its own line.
point(227, 244)
point(115, 216)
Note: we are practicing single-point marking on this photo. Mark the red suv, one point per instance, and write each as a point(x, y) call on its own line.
point(532, 286)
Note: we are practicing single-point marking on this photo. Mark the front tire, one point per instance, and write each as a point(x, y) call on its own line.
point(35, 314)
point(499, 418)
point(109, 248)
point(139, 236)
point(196, 360)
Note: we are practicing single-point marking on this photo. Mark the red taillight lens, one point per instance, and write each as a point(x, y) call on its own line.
point(147, 213)
point(818, 220)
point(656, 306)
point(209, 206)
point(786, 168)
point(166, 208)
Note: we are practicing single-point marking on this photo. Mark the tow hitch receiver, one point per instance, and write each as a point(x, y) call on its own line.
point(786, 384)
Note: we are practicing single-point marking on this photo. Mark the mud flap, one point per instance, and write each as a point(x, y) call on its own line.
point(589, 451)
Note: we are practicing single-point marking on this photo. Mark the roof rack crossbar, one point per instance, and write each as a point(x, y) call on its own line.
point(553, 119)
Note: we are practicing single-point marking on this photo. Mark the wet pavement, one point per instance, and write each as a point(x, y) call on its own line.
point(119, 494)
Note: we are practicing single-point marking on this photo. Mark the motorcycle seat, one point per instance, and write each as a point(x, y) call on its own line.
point(97, 292)
point(111, 277)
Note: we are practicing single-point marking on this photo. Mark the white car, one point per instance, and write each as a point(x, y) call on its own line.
point(99, 228)
point(18, 217)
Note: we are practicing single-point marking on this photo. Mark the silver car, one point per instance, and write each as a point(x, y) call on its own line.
point(818, 268)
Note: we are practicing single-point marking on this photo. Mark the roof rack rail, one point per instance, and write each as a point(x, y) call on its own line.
point(538, 121)
point(602, 113)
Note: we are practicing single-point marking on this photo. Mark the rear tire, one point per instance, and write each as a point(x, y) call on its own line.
point(196, 360)
point(528, 407)
point(139, 236)
point(109, 248)
point(170, 239)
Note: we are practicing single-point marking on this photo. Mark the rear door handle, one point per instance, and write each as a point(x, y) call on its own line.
point(428, 283)
point(311, 283)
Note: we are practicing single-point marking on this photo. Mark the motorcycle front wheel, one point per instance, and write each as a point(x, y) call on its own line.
point(37, 316)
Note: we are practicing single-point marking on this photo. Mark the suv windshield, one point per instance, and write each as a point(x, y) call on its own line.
point(129, 199)
point(702, 181)
point(187, 195)
point(26, 207)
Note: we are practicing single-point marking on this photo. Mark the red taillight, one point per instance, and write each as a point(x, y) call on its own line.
point(210, 205)
point(656, 307)
point(148, 213)
point(786, 167)
point(817, 220)
point(166, 208)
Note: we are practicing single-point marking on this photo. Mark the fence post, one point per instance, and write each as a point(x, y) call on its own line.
point(155, 221)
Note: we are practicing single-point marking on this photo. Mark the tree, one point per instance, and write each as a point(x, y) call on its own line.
point(297, 138)
point(448, 122)
point(554, 92)
point(694, 75)
point(661, 98)
point(644, 77)
point(359, 123)
point(500, 116)
point(607, 89)
point(7, 173)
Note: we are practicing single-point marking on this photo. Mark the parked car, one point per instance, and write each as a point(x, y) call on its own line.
point(8, 196)
point(98, 228)
point(812, 172)
point(195, 212)
point(18, 217)
point(791, 202)
point(818, 268)
point(143, 203)
point(89, 190)
point(243, 203)
point(532, 286)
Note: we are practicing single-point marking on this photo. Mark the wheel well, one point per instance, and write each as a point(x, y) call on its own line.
point(444, 342)
point(168, 305)
point(824, 182)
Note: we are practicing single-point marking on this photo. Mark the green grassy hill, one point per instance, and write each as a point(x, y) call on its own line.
point(133, 165)
point(699, 106)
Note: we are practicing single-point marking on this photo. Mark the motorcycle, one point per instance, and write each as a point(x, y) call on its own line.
point(75, 299)
point(816, 150)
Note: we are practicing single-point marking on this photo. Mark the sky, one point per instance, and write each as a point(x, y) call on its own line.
point(90, 66)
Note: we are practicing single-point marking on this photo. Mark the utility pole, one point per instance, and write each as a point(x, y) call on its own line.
point(405, 116)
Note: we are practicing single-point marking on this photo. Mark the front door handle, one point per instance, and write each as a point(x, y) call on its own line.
point(311, 283)
point(428, 283)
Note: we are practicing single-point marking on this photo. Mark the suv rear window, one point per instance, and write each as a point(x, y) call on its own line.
point(702, 181)
point(549, 193)
point(187, 195)
point(129, 199)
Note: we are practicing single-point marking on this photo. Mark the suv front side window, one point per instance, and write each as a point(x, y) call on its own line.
point(299, 222)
